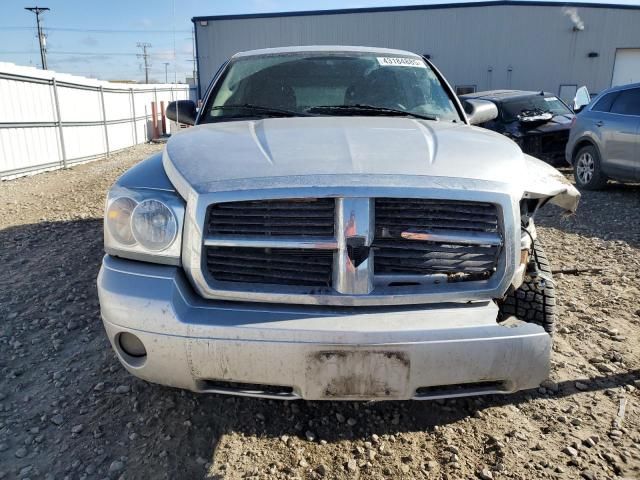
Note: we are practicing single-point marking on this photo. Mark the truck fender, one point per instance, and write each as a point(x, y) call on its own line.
point(543, 182)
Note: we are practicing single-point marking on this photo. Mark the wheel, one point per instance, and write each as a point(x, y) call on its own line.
point(587, 169)
point(535, 300)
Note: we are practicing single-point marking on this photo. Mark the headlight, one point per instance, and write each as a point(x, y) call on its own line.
point(118, 220)
point(153, 225)
point(143, 224)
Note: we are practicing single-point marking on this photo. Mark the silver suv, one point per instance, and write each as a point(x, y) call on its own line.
point(604, 142)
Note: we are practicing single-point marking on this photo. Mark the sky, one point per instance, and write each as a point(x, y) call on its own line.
point(99, 38)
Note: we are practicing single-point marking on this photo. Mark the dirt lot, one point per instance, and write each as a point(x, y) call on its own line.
point(69, 410)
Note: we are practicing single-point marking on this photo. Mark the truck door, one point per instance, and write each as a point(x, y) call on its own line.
point(620, 133)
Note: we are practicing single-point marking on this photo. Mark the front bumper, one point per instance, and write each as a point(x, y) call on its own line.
point(285, 351)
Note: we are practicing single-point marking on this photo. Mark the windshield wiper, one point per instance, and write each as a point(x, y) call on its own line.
point(281, 112)
point(370, 109)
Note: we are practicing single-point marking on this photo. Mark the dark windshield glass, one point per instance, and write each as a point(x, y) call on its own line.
point(301, 81)
point(510, 109)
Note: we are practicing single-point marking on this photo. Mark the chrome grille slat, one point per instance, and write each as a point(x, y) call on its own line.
point(271, 230)
point(426, 255)
point(399, 222)
point(389, 246)
point(277, 242)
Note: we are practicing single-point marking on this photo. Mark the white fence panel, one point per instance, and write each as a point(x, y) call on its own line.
point(22, 102)
point(51, 120)
point(120, 135)
point(38, 146)
point(78, 105)
point(117, 105)
point(84, 142)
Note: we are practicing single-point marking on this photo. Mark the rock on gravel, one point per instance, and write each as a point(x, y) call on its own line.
point(57, 419)
point(21, 452)
point(123, 389)
point(485, 474)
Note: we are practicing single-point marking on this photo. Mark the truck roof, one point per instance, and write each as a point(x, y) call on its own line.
point(324, 48)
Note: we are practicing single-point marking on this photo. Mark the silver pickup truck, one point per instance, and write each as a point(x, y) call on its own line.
point(332, 227)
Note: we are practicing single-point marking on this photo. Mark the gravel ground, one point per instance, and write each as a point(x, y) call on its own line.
point(69, 410)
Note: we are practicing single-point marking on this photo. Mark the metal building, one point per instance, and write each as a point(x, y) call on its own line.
point(533, 45)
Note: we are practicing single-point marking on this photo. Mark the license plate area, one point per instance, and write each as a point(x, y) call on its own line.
point(353, 374)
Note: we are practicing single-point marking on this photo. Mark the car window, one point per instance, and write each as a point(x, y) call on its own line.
point(512, 108)
point(604, 104)
point(298, 82)
point(627, 102)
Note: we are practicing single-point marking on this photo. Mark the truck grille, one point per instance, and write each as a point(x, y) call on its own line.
point(289, 217)
point(457, 249)
point(271, 266)
point(351, 250)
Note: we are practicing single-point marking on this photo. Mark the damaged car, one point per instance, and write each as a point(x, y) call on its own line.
point(332, 227)
point(538, 122)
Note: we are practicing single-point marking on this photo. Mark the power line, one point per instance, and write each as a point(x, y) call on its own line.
point(60, 52)
point(91, 30)
point(41, 36)
point(145, 56)
point(56, 52)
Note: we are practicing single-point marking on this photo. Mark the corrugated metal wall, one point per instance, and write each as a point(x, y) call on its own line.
point(51, 120)
point(505, 46)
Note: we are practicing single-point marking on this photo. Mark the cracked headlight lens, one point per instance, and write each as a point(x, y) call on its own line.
point(119, 220)
point(153, 225)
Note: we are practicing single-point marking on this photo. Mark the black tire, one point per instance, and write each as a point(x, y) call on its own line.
point(535, 300)
point(587, 169)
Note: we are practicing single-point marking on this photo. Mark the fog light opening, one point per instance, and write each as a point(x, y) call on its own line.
point(132, 345)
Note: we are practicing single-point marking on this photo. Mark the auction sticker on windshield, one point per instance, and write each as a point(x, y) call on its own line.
point(401, 62)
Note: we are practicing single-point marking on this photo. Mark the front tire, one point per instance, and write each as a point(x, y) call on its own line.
point(535, 300)
point(587, 169)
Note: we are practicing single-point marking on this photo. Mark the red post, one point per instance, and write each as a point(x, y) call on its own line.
point(164, 120)
point(154, 116)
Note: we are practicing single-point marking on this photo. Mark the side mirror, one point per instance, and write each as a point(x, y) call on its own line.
point(480, 111)
point(582, 99)
point(182, 111)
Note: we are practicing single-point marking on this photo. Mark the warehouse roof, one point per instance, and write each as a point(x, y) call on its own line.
point(470, 3)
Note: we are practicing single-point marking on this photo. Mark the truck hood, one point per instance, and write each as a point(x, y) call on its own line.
point(336, 151)
point(210, 154)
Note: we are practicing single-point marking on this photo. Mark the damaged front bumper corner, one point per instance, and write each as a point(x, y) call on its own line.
point(545, 182)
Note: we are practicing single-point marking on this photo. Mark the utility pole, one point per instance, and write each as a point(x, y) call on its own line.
point(166, 75)
point(41, 36)
point(193, 54)
point(145, 56)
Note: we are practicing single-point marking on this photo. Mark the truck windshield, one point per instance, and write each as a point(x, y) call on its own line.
point(512, 109)
point(301, 84)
